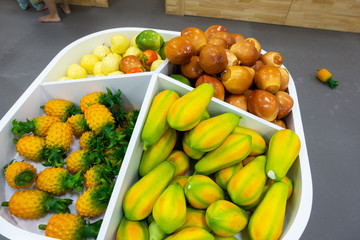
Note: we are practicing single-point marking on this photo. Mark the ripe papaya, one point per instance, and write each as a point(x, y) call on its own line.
point(210, 133)
point(191, 152)
point(233, 149)
point(181, 180)
point(155, 232)
point(191, 233)
point(201, 191)
point(225, 218)
point(186, 112)
point(139, 200)
point(195, 218)
point(217, 237)
point(156, 121)
point(169, 210)
point(223, 176)
point(252, 206)
point(128, 230)
point(288, 181)
point(268, 218)
point(284, 147)
point(158, 152)
point(258, 144)
point(246, 185)
point(181, 162)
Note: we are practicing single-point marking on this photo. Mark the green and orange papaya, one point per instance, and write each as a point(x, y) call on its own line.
point(234, 149)
point(223, 176)
point(225, 218)
point(186, 112)
point(201, 191)
point(181, 162)
point(155, 232)
point(195, 218)
point(191, 233)
point(181, 180)
point(284, 147)
point(217, 237)
point(268, 218)
point(139, 200)
point(169, 210)
point(190, 151)
point(210, 133)
point(246, 186)
point(288, 181)
point(258, 144)
point(136, 230)
point(158, 152)
point(156, 121)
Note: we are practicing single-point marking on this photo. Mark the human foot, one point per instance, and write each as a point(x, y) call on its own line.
point(42, 9)
point(65, 8)
point(49, 18)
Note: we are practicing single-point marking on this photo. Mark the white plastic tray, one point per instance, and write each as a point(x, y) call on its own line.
point(138, 91)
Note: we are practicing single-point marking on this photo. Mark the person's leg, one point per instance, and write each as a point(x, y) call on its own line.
point(65, 6)
point(23, 4)
point(53, 15)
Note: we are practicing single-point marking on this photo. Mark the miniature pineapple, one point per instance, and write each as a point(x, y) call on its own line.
point(60, 108)
point(99, 118)
point(31, 147)
point(109, 100)
point(69, 226)
point(58, 141)
point(58, 181)
point(94, 201)
point(33, 204)
point(78, 124)
point(82, 160)
point(20, 175)
point(115, 154)
point(99, 172)
point(128, 124)
point(90, 141)
point(39, 125)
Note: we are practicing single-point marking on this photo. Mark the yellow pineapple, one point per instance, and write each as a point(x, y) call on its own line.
point(60, 108)
point(78, 124)
point(39, 125)
point(31, 147)
point(58, 141)
point(94, 200)
point(32, 204)
point(20, 175)
point(82, 160)
point(99, 118)
point(88, 140)
point(58, 181)
point(99, 172)
point(115, 154)
point(67, 226)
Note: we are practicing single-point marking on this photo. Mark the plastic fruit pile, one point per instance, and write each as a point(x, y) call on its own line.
point(238, 180)
point(144, 52)
point(241, 73)
point(77, 150)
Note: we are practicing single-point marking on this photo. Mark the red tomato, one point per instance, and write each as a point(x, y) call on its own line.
point(148, 57)
point(135, 70)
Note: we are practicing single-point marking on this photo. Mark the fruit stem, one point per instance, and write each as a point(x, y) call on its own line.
point(5, 204)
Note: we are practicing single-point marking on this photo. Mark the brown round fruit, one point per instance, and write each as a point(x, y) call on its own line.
point(280, 123)
point(286, 103)
point(255, 43)
point(227, 37)
point(129, 62)
point(257, 65)
point(214, 29)
point(237, 100)
point(236, 79)
point(213, 59)
point(268, 78)
point(245, 52)
point(192, 69)
point(217, 41)
point(219, 91)
point(196, 37)
point(179, 50)
point(238, 37)
point(263, 104)
point(232, 59)
point(284, 79)
point(274, 59)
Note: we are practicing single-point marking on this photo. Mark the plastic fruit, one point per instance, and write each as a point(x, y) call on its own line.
point(132, 230)
point(232, 59)
point(236, 79)
point(156, 64)
point(181, 162)
point(258, 144)
point(214, 29)
point(88, 62)
point(129, 62)
point(192, 69)
point(284, 79)
point(75, 71)
point(245, 52)
point(279, 123)
point(268, 78)
point(213, 59)
point(196, 37)
point(274, 59)
point(115, 73)
point(64, 78)
point(179, 50)
point(218, 42)
point(237, 100)
point(98, 68)
point(285, 104)
point(263, 104)
point(226, 36)
point(109, 64)
point(237, 36)
point(133, 50)
point(119, 43)
point(101, 51)
point(254, 42)
point(149, 39)
point(219, 90)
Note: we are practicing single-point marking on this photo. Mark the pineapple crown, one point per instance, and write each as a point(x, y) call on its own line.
point(114, 103)
point(102, 193)
point(20, 128)
point(54, 157)
point(57, 205)
point(74, 182)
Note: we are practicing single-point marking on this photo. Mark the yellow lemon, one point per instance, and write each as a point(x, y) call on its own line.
point(75, 71)
point(119, 43)
point(118, 56)
point(63, 78)
point(115, 73)
point(110, 64)
point(100, 51)
point(97, 68)
point(88, 62)
point(133, 41)
point(156, 64)
point(99, 75)
point(133, 51)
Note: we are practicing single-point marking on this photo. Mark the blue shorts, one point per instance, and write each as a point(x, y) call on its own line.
point(37, 4)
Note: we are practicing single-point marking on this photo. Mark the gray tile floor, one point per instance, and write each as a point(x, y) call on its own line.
point(330, 117)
